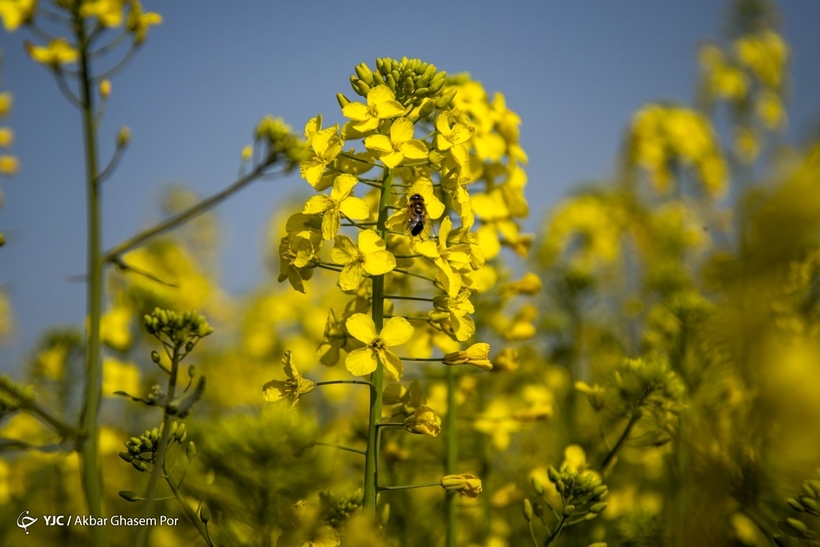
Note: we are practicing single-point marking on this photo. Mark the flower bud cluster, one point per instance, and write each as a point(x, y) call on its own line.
point(583, 493)
point(280, 141)
point(411, 80)
point(142, 450)
point(338, 507)
point(179, 330)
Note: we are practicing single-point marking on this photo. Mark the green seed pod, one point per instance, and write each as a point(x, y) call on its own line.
point(343, 101)
point(204, 514)
point(568, 510)
point(364, 73)
point(536, 485)
point(190, 452)
point(126, 456)
point(796, 505)
point(140, 465)
point(598, 507)
point(527, 510)
point(446, 99)
point(128, 495)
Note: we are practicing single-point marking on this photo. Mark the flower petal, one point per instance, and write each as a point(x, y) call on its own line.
point(361, 327)
point(361, 362)
point(345, 250)
point(355, 111)
point(379, 263)
point(392, 364)
point(379, 143)
point(396, 331)
point(355, 208)
point(402, 130)
point(342, 187)
point(414, 149)
point(350, 279)
point(370, 242)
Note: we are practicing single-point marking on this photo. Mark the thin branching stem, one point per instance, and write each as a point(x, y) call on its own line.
point(62, 85)
point(189, 513)
point(633, 420)
point(408, 486)
point(416, 298)
point(413, 274)
point(184, 216)
point(112, 165)
point(340, 447)
point(119, 66)
point(332, 382)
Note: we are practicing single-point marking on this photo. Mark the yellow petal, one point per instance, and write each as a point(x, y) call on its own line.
point(396, 331)
point(342, 187)
point(345, 250)
point(331, 223)
point(370, 242)
point(414, 149)
point(361, 327)
point(427, 248)
point(392, 160)
point(361, 362)
point(274, 391)
point(402, 131)
point(355, 208)
point(379, 263)
point(355, 111)
point(351, 276)
point(316, 205)
point(379, 143)
point(392, 364)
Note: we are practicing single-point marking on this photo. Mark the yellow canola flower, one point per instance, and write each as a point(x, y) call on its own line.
point(6, 137)
point(17, 12)
point(422, 186)
point(381, 105)
point(423, 422)
point(766, 54)
point(452, 314)
point(107, 12)
point(114, 329)
point(371, 256)
point(326, 145)
point(52, 361)
point(770, 110)
point(9, 166)
point(595, 393)
point(363, 361)
point(476, 355)
point(138, 22)
point(507, 359)
point(119, 376)
point(339, 203)
point(465, 484)
point(57, 52)
point(291, 389)
point(399, 145)
point(448, 259)
point(6, 101)
point(447, 136)
point(530, 284)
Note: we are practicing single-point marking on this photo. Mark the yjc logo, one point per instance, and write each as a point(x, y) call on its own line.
point(24, 521)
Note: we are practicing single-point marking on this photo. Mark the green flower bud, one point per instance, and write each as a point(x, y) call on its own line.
point(126, 456)
point(343, 101)
point(123, 137)
point(446, 99)
point(560, 486)
point(204, 514)
point(191, 371)
point(538, 509)
point(437, 82)
point(430, 72)
point(536, 484)
point(378, 79)
point(797, 525)
point(384, 515)
point(568, 510)
point(364, 73)
point(189, 346)
point(359, 86)
point(598, 507)
point(808, 503)
point(180, 432)
point(527, 509)
point(155, 357)
point(815, 485)
point(553, 474)
point(427, 108)
point(148, 444)
point(190, 452)
point(140, 466)
point(128, 495)
point(390, 81)
point(408, 86)
point(422, 92)
point(135, 441)
point(796, 505)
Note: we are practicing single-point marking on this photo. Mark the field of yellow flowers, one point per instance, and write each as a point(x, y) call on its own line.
point(417, 369)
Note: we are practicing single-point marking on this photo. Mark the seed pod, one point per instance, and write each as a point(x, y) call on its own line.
point(527, 509)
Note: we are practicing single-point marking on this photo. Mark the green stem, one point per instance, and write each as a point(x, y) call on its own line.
point(331, 382)
point(409, 486)
point(413, 274)
point(633, 420)
point(371, 474)
point(451, 454)
point(189, 513)
point(424, 360)
point(340, 447)
point(159, 458)
point(89, 442)
point(397, 297)
point(553, 536)
point(187, 214)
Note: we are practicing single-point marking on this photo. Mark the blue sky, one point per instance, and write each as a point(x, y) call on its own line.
point(574, 71)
